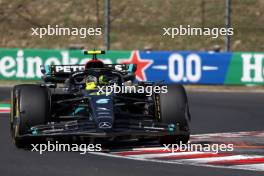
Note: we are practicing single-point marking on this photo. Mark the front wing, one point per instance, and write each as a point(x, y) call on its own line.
point(134, 128)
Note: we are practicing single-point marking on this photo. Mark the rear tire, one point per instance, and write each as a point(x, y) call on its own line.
point(30, 106)
point(174, 110)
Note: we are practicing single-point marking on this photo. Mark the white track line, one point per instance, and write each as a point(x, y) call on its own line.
point(257, 167)
point(224, 158)
point(178, 162)
point(158, 155)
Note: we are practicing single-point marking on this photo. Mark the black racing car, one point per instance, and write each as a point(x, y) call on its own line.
point(68, 103)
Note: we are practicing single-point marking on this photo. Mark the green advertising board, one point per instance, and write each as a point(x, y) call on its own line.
point(184, 67)
point(24, 64)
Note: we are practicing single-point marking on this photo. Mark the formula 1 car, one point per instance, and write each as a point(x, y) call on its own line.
point(68, 103)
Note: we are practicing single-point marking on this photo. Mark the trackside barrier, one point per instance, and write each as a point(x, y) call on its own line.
point(186, 67)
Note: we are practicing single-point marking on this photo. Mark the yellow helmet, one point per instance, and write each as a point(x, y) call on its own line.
point(90, 85)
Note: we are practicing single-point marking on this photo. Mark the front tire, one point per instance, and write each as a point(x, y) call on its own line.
point(30, 106)
point(174, 109)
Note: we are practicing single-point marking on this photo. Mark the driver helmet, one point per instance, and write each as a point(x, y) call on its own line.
point(90, 82)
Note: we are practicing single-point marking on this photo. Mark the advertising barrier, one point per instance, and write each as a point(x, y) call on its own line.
point(185, 67)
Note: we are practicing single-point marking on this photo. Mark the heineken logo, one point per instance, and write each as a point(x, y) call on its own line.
point(253, 65)
point(27, 65)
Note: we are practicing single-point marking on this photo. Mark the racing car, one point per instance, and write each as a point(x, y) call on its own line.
point(68, 103)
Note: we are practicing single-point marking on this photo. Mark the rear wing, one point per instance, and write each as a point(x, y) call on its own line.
point(59, 73)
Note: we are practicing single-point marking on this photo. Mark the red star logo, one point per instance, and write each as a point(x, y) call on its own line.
point(142, 65)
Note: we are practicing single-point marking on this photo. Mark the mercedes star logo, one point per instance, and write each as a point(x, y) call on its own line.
point(105, 125)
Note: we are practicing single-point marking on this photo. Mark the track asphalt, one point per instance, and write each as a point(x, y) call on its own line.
point(212, 112)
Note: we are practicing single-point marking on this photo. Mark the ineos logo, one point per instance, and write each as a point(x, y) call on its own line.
point(102, 101)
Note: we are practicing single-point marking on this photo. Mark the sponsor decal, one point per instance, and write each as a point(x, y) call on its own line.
point(26, 63)
point(246, 68)
point(69, 68)
point(252, 68)
point(102, 101)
